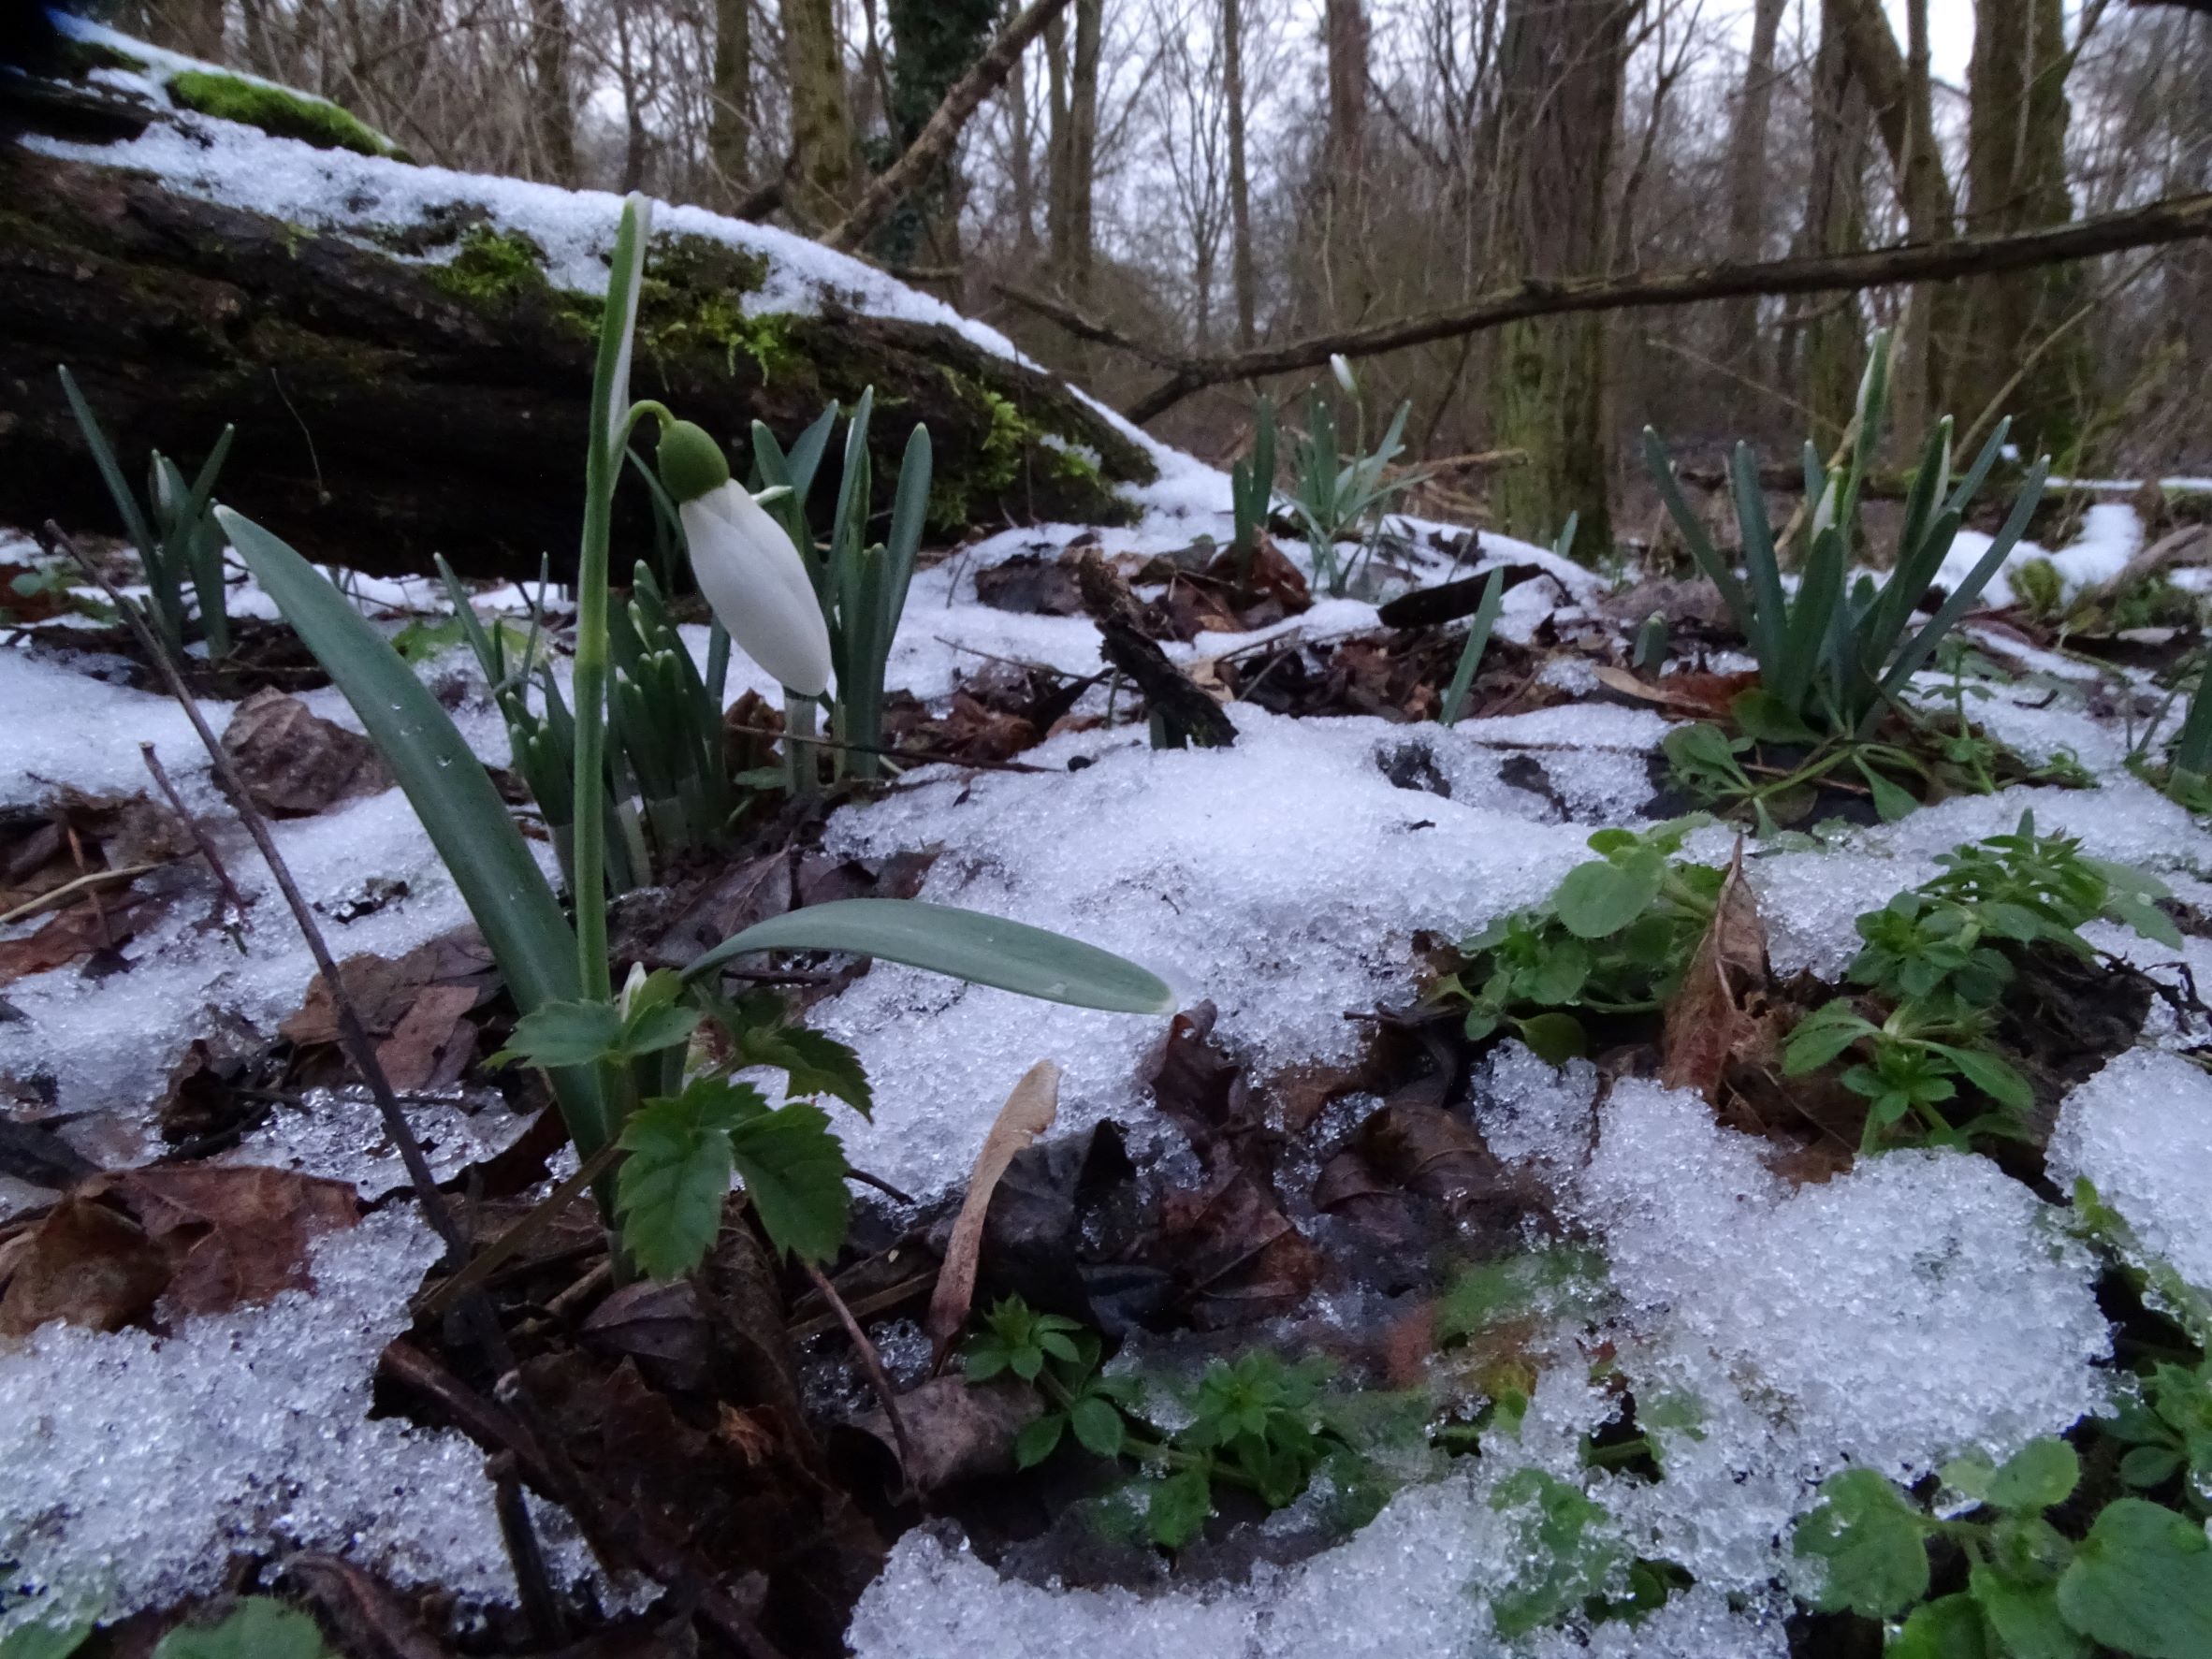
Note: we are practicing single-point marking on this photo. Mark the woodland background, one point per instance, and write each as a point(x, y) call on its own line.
point(1202, 177)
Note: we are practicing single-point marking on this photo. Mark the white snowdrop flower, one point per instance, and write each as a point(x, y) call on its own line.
point(1824, 515)
point(744, 563)
point(1341, 367)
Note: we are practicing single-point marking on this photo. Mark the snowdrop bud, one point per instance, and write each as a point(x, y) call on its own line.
point(1824, 515)
point(1342, 369)
point(631, 987)
point(744, 563)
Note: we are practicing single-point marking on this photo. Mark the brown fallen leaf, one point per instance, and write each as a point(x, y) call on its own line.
point(94, 924)
point(1235, 1253)
point(83, 1263)
point(1688, 696)
point(370, 1619)
point(1028, 1112)
point(1711, 1014)
point(231, 1234)
point(294, 761)
point(433, 1044)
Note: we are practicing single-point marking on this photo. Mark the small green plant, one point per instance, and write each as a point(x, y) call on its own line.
point(2040, 586)
point(1254, 1422)
point(1341, 496)
point(1614, 938)
point(1479, 626)
point(2139, 1581)
point(179, 546)
point(1937, 959)
point(1839, 654)
point(861, 584)
point(45, 589)
point(616, 1064)
point(1252, 488)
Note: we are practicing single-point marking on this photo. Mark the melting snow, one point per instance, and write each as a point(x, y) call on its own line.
point(2140, 1130)
point(139, 1465)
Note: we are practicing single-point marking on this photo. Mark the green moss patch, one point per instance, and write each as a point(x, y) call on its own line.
point(279, 112)
point(692, 299)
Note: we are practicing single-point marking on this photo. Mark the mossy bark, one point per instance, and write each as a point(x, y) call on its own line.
point(389, 410)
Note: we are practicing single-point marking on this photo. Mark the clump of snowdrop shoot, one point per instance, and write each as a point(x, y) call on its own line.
point(744, 563)
point(663, 1142)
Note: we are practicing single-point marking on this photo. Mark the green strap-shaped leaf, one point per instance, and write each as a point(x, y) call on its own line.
point(1462, 677)
point(1661, 466)
point(468, 822)
point(1762, 566)
point(965, 944)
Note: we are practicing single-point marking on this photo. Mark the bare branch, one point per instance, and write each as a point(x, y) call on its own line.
point(2176, 219)
point(943, 131)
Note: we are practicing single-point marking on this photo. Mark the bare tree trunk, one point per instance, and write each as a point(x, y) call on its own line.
point(552, 115)
point(1073, 145)
point(1832, 342)
point(1562, 64)
point(1021, 145)
point(1240, 192)
point(1082, 129)
point(2016, 179)
point(729, 131)
point(1344, 157)
point(633, 130)
point(825, 151)
point(1747, 181)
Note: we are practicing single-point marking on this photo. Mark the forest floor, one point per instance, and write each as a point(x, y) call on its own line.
point(1405, 1292)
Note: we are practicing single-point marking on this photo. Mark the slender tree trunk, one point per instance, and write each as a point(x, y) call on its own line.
point(1021, 144)
point(1082, 130)
point(1561, 65)
point(1747, 181)
point(934, 43)
point(1832, 346)
point(633, 130)
point(826, 152)
point(552, 114)
point(1240, 193)
point(2016, 179)
point(1344, 157)
point(728, 132)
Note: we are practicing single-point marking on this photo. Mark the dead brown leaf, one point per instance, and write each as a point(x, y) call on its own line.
point(1028, 1112)
point(95, 923)
point(84, 1263)
point(370, 1619)
point(294, 761)
point(1712, 1013)
point(433, 1044)
point(231, 1234)
point(1686, 696)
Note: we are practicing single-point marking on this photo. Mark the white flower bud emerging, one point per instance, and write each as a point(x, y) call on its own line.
point(758, 587)
point(1340, 367)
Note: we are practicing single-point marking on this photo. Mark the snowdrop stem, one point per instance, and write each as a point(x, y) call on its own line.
point(603, 455)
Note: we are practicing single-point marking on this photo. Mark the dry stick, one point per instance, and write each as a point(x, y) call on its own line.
point(871, 1362)
point(478, 1318)
point(923, 758)
point(942, 130)
point(2176, 219)
point(199, 835)
point(494, 1254)
point(539, 1605)
point(55, 898)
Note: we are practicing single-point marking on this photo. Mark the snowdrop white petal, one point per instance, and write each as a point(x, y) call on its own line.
point(758, 587)
point(1340, 367)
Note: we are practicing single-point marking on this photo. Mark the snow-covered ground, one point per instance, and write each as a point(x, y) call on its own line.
point(1919, 1306)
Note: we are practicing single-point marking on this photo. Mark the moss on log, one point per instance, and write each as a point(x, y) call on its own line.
point(389, 408)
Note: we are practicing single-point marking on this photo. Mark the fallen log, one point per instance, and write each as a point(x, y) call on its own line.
point(406, 389)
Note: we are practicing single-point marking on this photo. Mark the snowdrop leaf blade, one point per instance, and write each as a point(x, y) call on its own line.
point(965, 944)
point(619, 329)
point(506, 894)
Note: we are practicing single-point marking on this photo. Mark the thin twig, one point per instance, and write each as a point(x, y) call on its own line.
point(57, 898)
point(489, 1261)
point(199, 835)
point(871, 1362)
point(923, 758)
point(540, 1606)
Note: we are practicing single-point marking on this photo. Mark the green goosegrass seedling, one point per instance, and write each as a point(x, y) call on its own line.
point(2139, 1581)
point(1614, 938)
point(1939, 957)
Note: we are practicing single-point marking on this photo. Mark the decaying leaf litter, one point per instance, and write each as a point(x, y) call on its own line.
point(1329, 1316)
